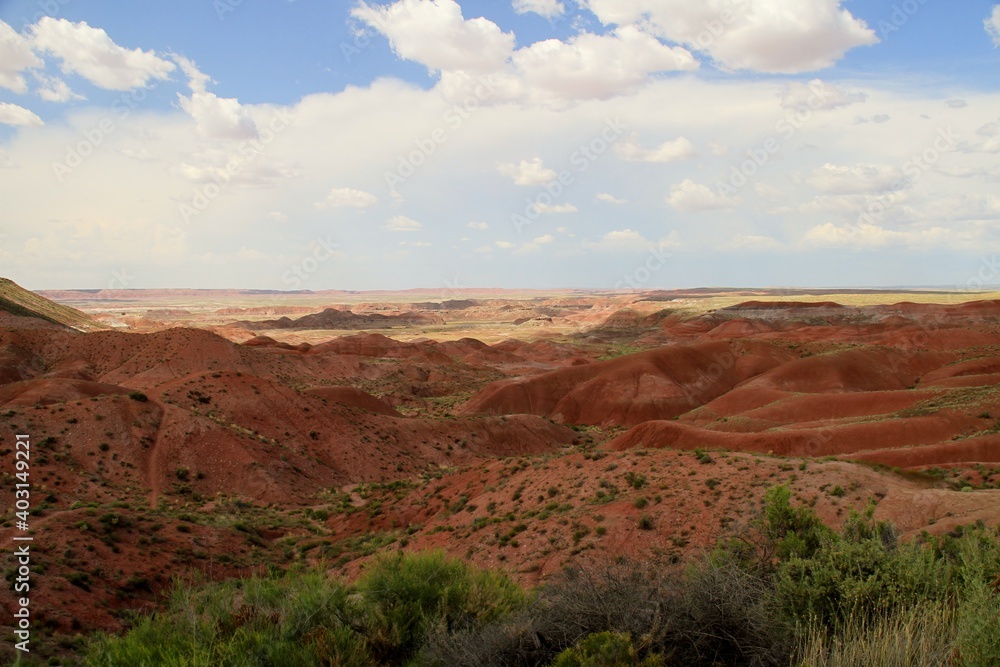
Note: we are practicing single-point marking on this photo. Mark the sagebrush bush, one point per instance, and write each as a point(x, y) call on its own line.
point(260, 620)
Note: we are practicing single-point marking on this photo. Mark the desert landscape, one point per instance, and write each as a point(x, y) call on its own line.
point(534, 333)
point(210, 436)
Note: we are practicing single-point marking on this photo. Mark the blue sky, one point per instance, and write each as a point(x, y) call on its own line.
point(531, 143)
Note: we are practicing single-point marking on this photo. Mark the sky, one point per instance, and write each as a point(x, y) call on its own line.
point(604, 144)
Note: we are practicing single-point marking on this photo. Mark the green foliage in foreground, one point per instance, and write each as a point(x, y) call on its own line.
point(788, 592)
point(305, 618)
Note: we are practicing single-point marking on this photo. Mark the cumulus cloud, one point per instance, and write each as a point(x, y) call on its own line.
point(215, 117)
point(860, 179)
point(436, 35)
point(92, 54)
point(535, 244)
point(608, 198)
point(347, 198)
point(552, 71)
point(15, 57)
point(401, 223)
point(590, 66)
point(547, 8)
point(620, 240)
point(817, 95)
point(780, 36)
point(219, 166)
point(986, 140)
point(12, 114)
point(992, 25)
point(556, 208)
point(54, 89)
point(477, 225)
point(691, 197)
point(629, 149)
point(528, 172)
point(866, 235)
point(505, 245)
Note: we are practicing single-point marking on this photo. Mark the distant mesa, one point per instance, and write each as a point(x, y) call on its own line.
point(332, 318)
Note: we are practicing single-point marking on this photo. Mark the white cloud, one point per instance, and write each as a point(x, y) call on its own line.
point(718, 149)
point(505, 245)
point(866, 235)
point(621, 239)
point(555, 208)
point(969, 172)
point(90, 53)
point(818, 95)
point(12, 114)
point(477, 225)
point(436, 35)
point(610, 198)
point(535, 244)
point(15, 57)
point(278, 216)
point(548, 72)
point(215, 117)
point(860, 179)
point(781, 36)
point(987, 140)
point(219, 166)
point(401, 223)
point(528, 172)
point(547, 8)
point(54, 89)
point(590, 66)
point(992, 25)
point(690, 197)
point(629, 149)
point(348, 198)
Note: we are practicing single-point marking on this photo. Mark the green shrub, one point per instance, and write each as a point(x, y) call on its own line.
point(605, 649)
point(295, 619)
point(405, 597)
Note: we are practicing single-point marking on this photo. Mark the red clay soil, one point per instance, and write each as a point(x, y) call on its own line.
point(533, 518)
point(658, 384)
point(179, 450)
